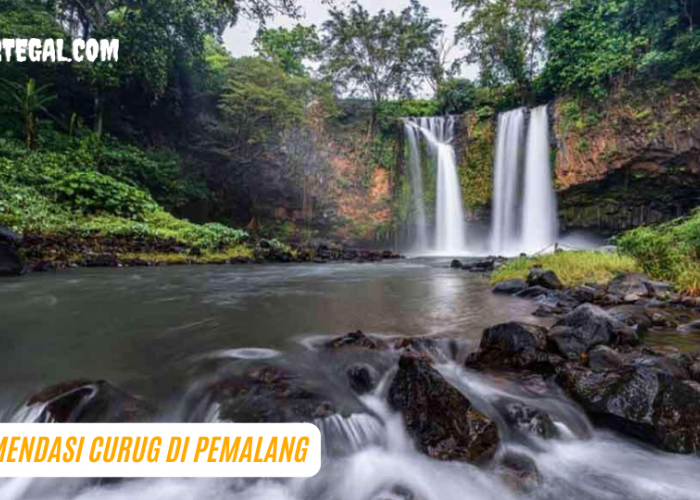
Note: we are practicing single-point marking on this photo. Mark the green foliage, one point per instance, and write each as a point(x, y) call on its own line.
point(289, 48)
point(669, 251)
point(389, 112)
point(28, 101)
point(573, 268)
point(475, 172)
point(384, 55)
point(92, 192)
point(505, 38)
point(596, 41)
point(456, 96)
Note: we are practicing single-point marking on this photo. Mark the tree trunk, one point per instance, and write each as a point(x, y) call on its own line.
point(99, 114)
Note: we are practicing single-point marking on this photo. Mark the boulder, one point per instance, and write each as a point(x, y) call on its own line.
point(519, 472)
point(586, 327)
point(586, 293)
point(356, 340)
point(510, 287)
point(629, 284)
point(441, 420)
point(633, 316)
point(604, 358)
point(544, 278)
point(642, 402)
point(10, 237)
point(513, 346)
point(82, 401)
point(10, 262)
point(362, 378)
point(692, 327)
point(482, 266)
point(529, 421)
point(456, 264)
point(268, 394)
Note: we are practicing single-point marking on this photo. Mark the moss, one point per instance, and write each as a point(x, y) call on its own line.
point(573, 268)
point(222, 257)
point(476, 167)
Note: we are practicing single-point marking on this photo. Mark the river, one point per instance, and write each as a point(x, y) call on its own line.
point(158, 332)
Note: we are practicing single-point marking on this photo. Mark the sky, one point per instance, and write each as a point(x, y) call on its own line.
point(238, 40)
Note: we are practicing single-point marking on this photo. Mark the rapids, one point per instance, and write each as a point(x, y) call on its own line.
point(163, 332)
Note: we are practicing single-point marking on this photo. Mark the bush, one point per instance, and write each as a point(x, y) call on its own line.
point(92, 192)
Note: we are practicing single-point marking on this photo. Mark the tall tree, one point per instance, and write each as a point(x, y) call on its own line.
point(506, 37)
point(290, 49)
point(382, 56)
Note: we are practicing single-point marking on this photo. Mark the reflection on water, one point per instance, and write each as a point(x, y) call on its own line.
point(138, 328)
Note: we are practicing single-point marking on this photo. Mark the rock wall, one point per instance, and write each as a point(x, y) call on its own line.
point(633, 160)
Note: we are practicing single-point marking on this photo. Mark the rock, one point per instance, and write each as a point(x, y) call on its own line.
point(441, 420)
point(267, 394)
point(356, 340)
point(603, 358)
point(642, 402)
point(673, 365)
point(102, 260)
point(456, 264)
point(549, 298)
point(545, 279)
point(7, 236)
point(692, 327)
point(510, 287)
point(10, 262)
point(362, 378)
point(632, 316)
point(418, 345)
point(629, 284)
point(482, 266)
point(585, 293)
point(513, 346)
point(323, 251)
point(659, 289)
point(529, 421)
point(694, 371)
point(585, 328)
point(82, 401)
point(519, 472)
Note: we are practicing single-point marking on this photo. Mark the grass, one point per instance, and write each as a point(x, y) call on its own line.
point(573, 268)
point(222, 257)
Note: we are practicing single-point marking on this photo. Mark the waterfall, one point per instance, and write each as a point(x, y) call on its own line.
point(504, 230)
point(438, 134)
point(539, 222)
point(524, 214)
point(416, 174)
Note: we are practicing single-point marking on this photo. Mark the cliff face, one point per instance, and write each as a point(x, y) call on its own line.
point(633, 160)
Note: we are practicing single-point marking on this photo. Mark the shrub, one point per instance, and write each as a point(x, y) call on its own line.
point(92, 192)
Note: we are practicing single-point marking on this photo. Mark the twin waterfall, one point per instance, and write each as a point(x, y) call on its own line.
point(450, 230)
point(524, 209)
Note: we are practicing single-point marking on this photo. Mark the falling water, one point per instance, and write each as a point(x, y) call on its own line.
point(504, 230)
point(539, 223)
point(438, 132)
point(414, 161)
point(524, 215)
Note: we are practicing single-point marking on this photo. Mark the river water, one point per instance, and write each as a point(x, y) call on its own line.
point(158, 332)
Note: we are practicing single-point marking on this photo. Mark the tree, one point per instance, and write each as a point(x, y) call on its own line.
point(439, 68)
point(289, 48)
point(506, 38)
point(29, 101)
point(456, 96)
point(382, 56)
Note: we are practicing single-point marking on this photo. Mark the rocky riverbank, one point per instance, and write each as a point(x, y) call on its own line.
point(40, 253)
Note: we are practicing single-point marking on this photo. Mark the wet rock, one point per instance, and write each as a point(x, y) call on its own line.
point(441, 420)
point(529, 421)
point(268, 394)
point(642, 402)
point(10, 262)
point(10, 237)
point(545, 279)
point(632, 316)
point(82, 401)
point(549, 298)
point(456, 264)
point(510, 287)
point(482, 266)
point(692, 327)
point(585, 293)
point(545, 311)
point(629, 284)
point(585, 328)
point(103, 260)
point(513, 345)
point(604, 358)
point(362, 378)
point(356, 340)
point(674, 365)
point(420, 345)
point(694, 371)
point(519, 472)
